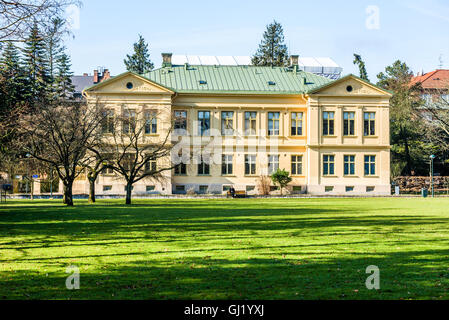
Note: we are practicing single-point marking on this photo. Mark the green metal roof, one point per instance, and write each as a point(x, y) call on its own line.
point(236, 79)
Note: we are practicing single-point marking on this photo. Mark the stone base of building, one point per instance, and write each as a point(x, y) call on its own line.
point(349, 190)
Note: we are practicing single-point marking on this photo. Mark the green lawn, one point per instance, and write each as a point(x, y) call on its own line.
point(226, 249)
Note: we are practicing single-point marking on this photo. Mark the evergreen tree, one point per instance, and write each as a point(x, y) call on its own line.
point(13, 80)
point(272, 49)
point(54, 49)
point(63, 80)
point(36, 65)
point(361, 64)
point(405, 121)
point(12, 93)
point(139, 62)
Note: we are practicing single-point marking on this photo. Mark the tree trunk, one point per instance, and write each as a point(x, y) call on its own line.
point(128, 193)
point(32, 189)
point(68, 195)
point(92, 190)
point(408, 158)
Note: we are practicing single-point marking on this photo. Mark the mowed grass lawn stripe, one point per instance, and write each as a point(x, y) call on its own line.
point(226, 248)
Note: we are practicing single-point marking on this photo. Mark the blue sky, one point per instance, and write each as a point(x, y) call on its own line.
point(413, 31)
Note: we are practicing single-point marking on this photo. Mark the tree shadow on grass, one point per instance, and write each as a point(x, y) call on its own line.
point(82, 225)
point(196, 272)
point(414, 274)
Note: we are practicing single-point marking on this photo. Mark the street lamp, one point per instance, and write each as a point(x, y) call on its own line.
point(431, 174)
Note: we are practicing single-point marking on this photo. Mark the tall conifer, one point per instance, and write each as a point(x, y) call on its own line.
point(272, 49)
point(139, 62)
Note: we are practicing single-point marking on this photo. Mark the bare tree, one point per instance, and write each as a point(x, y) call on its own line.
point(264, 185)
point(17, 16)
point(96, 164)
point(138, 147)
point(60, 135)
point(436, 114)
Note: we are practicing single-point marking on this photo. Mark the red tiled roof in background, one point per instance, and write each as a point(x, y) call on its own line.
point(438, 79)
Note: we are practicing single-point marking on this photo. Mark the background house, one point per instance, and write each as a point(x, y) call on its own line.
point(86, 80)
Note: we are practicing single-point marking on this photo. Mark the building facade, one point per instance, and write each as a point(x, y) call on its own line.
point(434, 85)
point(331, 135)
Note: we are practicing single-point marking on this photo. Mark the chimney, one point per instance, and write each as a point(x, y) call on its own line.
point(106, 75)
point(166, 60)
point(294, 61)
point(96, 80)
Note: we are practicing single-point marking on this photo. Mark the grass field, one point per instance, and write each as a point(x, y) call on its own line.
point(226, 249)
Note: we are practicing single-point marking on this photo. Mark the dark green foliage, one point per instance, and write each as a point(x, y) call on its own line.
point(408, 145)
point(54, 46)
point(272, 49)
point(361, 64)
point(281, 177)
point(36, 66)
point(13, 78)
point(139, 62)
point(63, 82)
point(13, 84)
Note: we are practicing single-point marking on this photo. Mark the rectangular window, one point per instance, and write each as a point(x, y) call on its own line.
point(127, 161)
point(107, 124)
point(250, 164)
point(370, 189)
point(181, 169)
point(349, 189)
point(180, 122)
point(349, 165)
point(296, 165)
point(296, 123)
point(150, 122)
point(150, 188)
point(273, 163)
point(203, 167)
point(297, 189)
point(150, 166)
point(328, 188)
point(226, 164)
point(203, 123)
point(348, 123)
point(369, 123)
point(250, 188)
point(328, 165)
point(250, 122)
point(328, 123)
point(226, 187)
point(107, 170)
point(227, 123)
point(273, 123)
point(179, 188)
point(370, 165)
point(203, 189)
point(129, 121)
point(107, 188)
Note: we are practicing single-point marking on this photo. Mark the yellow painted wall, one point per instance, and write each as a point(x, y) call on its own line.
point(312, 145)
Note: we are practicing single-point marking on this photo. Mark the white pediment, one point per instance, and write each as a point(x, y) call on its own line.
point(351, 86)
point(129, 83)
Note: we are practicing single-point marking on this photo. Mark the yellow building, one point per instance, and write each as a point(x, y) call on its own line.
point(331, 135)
